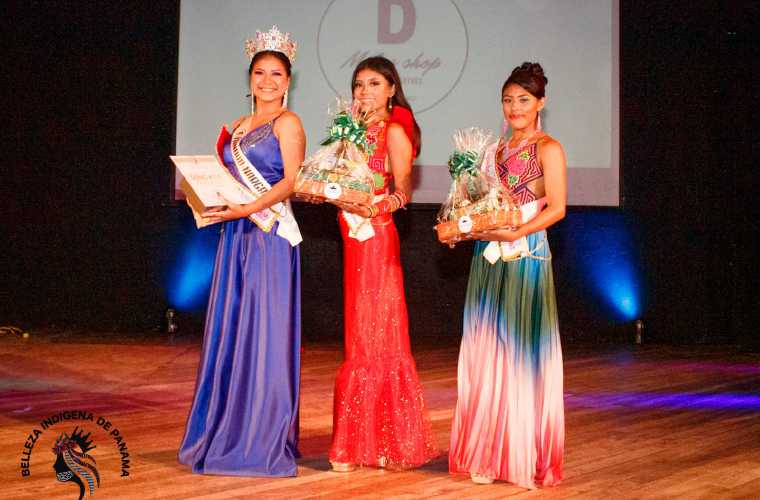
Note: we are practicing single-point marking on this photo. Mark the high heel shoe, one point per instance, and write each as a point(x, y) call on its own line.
point(342, 467)
point(480, 478)
point(384, 463)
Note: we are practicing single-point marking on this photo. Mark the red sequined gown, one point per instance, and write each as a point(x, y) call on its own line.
point(379, 413)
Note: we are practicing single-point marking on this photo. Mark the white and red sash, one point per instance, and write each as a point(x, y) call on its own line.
point(258, 186)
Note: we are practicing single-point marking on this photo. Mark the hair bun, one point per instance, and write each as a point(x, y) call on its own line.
point(535, 70)
point(530, 76)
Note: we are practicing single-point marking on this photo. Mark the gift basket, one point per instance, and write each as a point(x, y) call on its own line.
point(338, 171)
point(475, 203)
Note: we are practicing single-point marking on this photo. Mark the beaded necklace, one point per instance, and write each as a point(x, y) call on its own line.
point(524, 142)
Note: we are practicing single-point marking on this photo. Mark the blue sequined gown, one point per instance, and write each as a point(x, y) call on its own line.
point(244, 417)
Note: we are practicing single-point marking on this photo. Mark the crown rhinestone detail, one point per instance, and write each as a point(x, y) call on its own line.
point(273, 40)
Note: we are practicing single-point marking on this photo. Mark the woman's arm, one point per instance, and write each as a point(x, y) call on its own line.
point(552, 158)
point(400, 157)
point(292, 140)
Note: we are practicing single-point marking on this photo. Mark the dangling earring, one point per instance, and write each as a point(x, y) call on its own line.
point(538, 122)
point(285, 99)
point(253, 104)
point(390, 104)
point(504, 127)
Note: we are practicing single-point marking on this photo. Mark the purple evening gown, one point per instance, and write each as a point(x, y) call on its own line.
point(244, 418)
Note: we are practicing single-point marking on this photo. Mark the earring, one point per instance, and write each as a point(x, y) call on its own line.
point(285, 99)
point(253, 104)
point(390, 104)
point(504, 127)
point(538, 122)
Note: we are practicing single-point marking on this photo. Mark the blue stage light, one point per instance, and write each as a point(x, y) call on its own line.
point(618, 287)
point(601, 244)
point(685, 400)
point(191, 277)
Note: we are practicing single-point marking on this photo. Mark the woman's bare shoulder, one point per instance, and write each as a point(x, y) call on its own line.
point(288, 121)
point(236, 123)
point(548, 144)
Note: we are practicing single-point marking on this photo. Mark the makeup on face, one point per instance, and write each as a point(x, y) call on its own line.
point(372, 90)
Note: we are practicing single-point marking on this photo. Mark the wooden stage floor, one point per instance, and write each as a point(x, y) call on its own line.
point(649, 422)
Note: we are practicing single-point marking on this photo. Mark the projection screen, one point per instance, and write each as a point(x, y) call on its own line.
point(453, 56)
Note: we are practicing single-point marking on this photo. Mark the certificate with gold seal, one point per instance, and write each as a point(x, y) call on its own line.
point(207, 185)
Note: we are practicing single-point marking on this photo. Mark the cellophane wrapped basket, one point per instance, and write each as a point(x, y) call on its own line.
point(475, 203)
point(338, 171)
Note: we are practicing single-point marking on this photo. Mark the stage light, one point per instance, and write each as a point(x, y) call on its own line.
point(618, 287)
point(171, 321)
point(190, 278)
point(603, 246)
point(675, 400)
point(639, 330)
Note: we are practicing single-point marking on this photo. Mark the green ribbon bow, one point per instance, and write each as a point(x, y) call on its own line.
point(345, 128)
point(461, 162)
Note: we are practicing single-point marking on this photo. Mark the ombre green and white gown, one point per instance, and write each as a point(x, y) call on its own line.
point(509, 419)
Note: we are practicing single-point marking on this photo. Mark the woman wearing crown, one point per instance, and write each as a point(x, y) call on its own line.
point(379, 413)
point(244, 417)
point(509, 419)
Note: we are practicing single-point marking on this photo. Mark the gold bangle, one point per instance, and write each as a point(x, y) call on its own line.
point(400, 198)
point(397, 200)
point(392, 204)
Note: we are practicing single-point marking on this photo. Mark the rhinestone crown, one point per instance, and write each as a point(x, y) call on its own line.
point(273, 40)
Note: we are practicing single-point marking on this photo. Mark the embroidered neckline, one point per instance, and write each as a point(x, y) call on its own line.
point(521, 154)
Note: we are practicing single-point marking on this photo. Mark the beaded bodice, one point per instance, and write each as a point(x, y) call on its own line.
point(262, 148)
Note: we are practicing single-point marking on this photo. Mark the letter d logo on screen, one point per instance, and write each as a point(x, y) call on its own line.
point(426, 40)
point(408, 20)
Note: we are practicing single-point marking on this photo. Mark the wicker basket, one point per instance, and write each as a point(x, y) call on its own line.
point(467, 226)
point(334, 187)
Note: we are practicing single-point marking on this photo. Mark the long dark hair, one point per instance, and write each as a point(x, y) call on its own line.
point(386, 68)
point(530, 76)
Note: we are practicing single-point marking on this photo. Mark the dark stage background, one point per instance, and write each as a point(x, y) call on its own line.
point(89, 241)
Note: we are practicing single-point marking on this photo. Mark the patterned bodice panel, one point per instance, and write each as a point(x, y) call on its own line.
point(262, 148)
point(376, 134)
point(521, 173)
